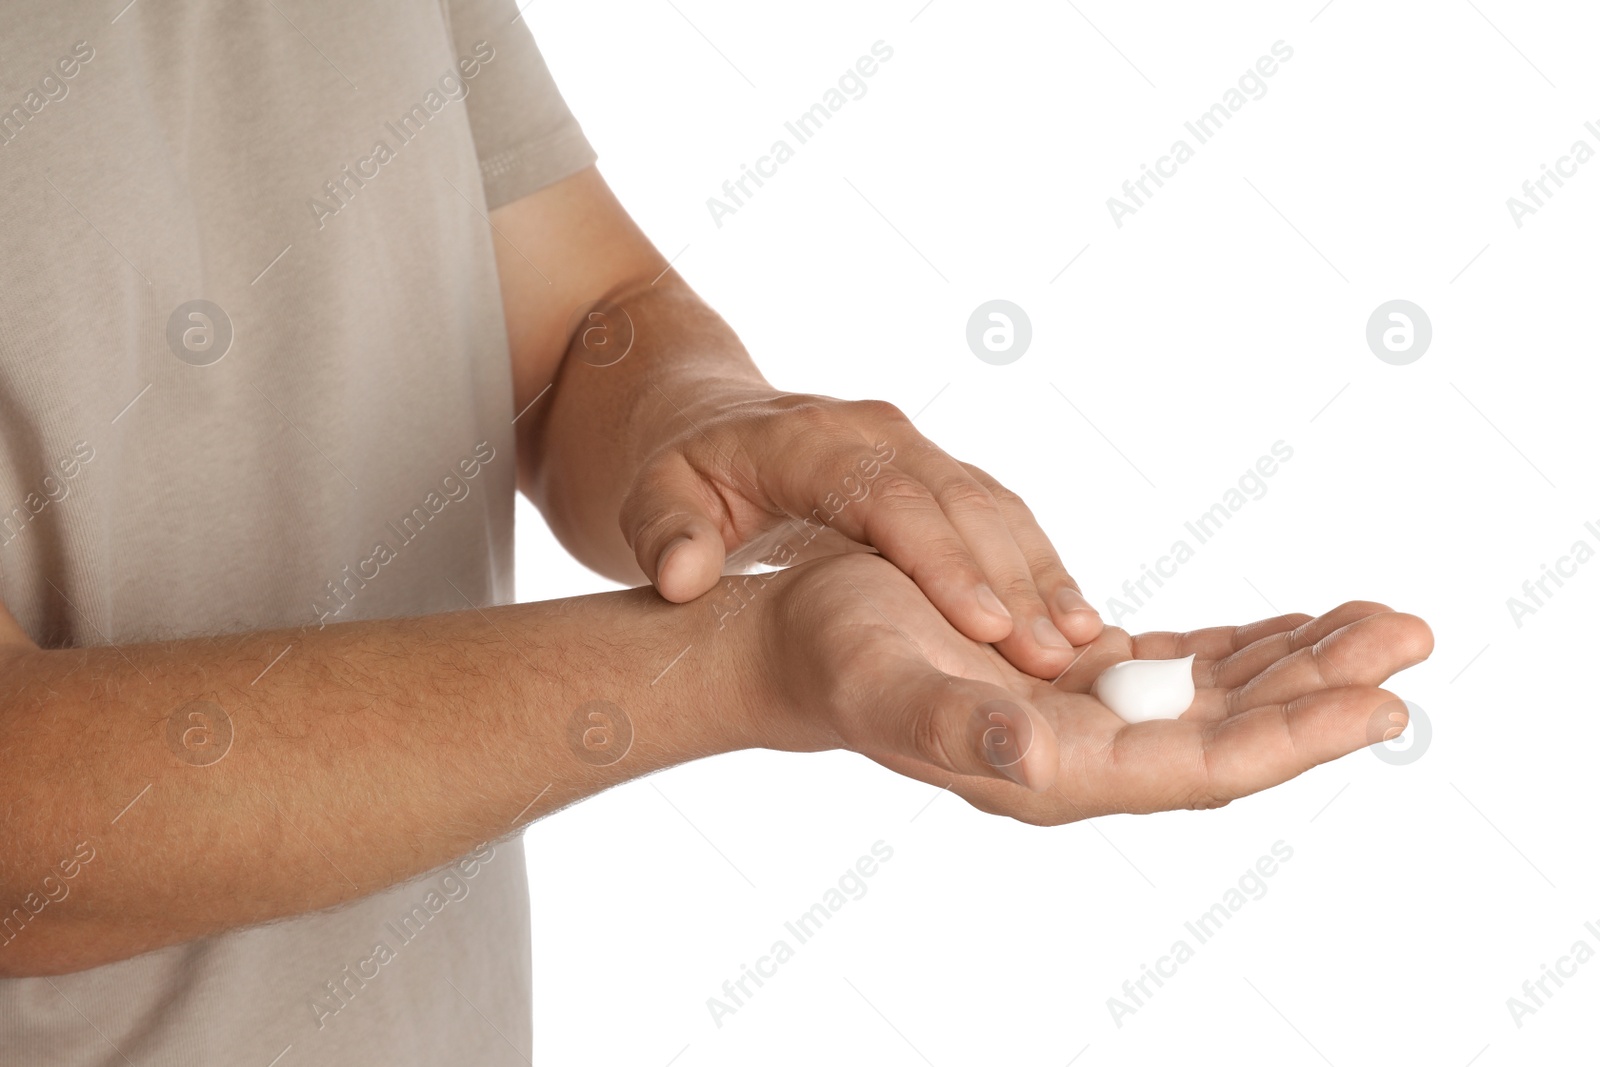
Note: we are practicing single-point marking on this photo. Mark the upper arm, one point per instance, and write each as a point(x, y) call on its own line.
point(558, 251)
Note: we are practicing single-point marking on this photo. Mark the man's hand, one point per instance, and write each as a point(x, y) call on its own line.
point(656, 413)
point(742, 483)
point(1273, 699)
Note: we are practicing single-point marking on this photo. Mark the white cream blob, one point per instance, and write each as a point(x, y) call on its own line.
point(1142, 689)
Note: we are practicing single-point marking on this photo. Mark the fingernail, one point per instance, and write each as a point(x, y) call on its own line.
point(991, 603)
point(1045, 632)
point(666, 554)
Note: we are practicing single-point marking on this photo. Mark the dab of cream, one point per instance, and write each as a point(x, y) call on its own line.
point(1142, 689)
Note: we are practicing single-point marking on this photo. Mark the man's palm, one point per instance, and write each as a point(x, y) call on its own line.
point(1273, 699)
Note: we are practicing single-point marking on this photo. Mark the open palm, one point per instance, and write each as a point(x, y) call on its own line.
point(1273, 699)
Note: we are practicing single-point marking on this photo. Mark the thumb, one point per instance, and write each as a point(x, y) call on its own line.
point(668, 520)
point(963, 726)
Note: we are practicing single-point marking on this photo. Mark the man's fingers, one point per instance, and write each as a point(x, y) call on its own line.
point(1234, 670)
point(1184, 764)
point(1174, 764)
point(986, 527)
point(1071, 611)
point(1214, 642)
point(670, 519)
point(941, 524)
point(971, 546)
point(1365, 652)
point(904, 522)
point(958, 725)
point(824, 472)
point(1269, 745)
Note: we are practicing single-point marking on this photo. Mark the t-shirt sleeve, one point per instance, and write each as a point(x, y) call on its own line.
point(526, 136)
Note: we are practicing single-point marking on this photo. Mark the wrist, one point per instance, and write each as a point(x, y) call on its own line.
point(771, 627)
point(690, 365)
point(755, 663)
point(706, 685)
point(684, 401)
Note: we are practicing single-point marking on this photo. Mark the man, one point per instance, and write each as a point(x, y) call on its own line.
point(271, 724)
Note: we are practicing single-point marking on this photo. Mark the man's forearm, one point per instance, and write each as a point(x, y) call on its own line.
point(603, 421)
point(369, 753)
point(657, 451)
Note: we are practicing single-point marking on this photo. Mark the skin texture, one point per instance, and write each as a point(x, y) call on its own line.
point(372, 752)
point(380, 750)
point(679, 456)
point(1273, 699)
point(347, 771)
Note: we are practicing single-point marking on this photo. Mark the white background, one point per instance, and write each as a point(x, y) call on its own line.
point(1227, 314)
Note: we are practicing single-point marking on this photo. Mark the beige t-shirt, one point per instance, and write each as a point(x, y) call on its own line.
point(254, 374)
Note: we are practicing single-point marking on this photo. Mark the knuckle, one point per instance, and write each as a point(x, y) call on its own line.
point(1328, 672)
point(877, 411)
point(899, 490)
point(1006, 498)
point(1018, 587)
point(967, 495)
point(809, 414)
point(1049, 573)
point(943, 563)
point(977, 472)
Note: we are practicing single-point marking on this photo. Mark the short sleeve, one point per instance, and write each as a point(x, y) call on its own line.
point(526, 136)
